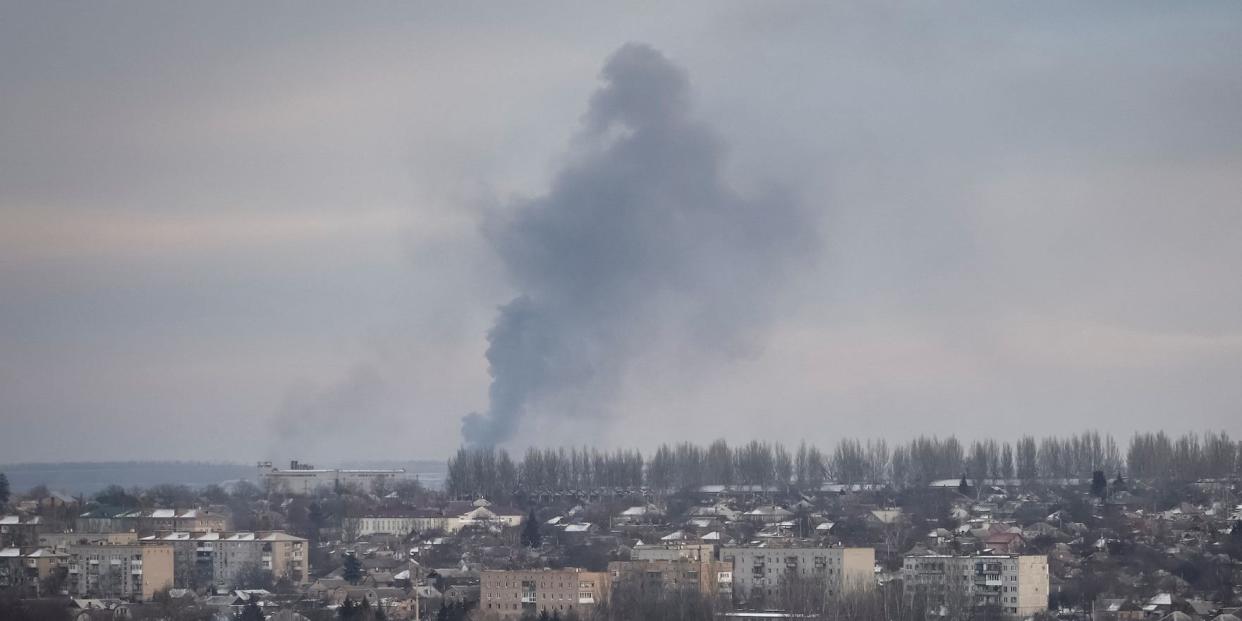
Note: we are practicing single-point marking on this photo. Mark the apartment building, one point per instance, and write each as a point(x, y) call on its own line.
point(673, 551)
point(510, 594)
point(709, 577)
point(214, 558)
point(1016, 584)
point(60, 542)
point(133, 572)
point(17, 531)
point(25, 567)
point(758, 571)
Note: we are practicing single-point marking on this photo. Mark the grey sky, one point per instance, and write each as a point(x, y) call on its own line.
point(231, 231)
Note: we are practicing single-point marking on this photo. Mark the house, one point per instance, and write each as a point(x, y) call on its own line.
point(1117, 609)
point(487, 517)
point(640, 514)
point(768, 514)
point(1004, 542)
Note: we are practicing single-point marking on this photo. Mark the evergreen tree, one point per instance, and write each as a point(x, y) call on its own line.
point(250, 612)
point(353, 569)
point(531, 537)
point(1119, 484)
point(1099, 484)
point(4, 489)
point(963, 487)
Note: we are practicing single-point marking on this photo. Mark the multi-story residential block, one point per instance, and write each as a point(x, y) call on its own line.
point(133, 572)
point(707, 576)
point(510, 594)
point(759, 572)
point(17, 531)
point(673, 551)
point(60, 542)
point(1016, 584)
point(28, 567)
point(215, 559)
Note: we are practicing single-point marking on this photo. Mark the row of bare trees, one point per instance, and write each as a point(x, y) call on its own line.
point(491, 471)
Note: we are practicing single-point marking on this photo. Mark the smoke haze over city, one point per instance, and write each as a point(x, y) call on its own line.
point(236, 231)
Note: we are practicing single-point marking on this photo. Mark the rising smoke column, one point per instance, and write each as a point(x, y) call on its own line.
point(638, 241)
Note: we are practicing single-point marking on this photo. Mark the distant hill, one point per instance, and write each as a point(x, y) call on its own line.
point(90, 477)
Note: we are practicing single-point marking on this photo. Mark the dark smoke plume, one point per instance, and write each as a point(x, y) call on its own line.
point(639, 242)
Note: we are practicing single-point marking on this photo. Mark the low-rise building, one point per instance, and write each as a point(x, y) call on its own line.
point(398, 523)
point(303, 479)
point(145, 521)
point(509, 594)
point(1016, 584)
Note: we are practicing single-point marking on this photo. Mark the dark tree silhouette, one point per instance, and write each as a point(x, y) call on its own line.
point(250, 612)
point(531, 537)
point(353, 569)
point(1099, 484)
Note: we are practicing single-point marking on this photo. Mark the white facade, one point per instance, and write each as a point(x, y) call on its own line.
point(763, 569)
point(1017, 584)
point(302, 479)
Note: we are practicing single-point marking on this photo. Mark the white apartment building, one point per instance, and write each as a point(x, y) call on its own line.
point(219, 557)
point(1017, 584)
point(760, 570)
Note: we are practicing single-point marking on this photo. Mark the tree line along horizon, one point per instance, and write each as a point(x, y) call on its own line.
point(492, 472)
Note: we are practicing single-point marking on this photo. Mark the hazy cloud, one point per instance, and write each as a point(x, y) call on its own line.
point(639, 240)
point(219, 219)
